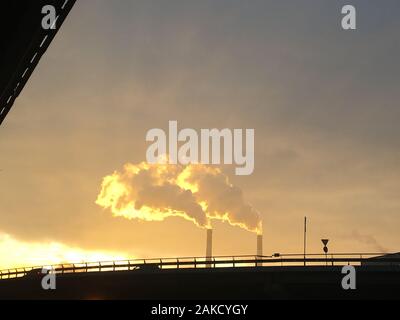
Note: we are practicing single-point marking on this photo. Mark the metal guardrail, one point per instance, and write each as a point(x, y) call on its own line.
point(337, 259)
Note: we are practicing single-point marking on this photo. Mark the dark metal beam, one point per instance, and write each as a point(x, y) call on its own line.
point(23, 42)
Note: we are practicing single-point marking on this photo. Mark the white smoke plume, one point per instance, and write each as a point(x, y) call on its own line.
point(196, 192)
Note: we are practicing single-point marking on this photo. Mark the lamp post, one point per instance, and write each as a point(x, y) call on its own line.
point(305, 239)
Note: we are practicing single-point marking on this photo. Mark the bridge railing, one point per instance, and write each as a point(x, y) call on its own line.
point(276, 259)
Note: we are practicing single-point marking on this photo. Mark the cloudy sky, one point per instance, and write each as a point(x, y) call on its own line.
point(323, 102)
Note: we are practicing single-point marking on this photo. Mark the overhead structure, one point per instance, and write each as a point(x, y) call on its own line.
point(23, 42)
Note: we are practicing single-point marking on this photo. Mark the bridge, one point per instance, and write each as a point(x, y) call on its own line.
point(226, 277)
point(337, 259)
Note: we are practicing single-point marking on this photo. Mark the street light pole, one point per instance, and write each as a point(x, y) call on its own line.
point(305, 239)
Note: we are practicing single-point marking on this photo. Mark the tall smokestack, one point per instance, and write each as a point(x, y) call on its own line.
point(259, 248)
point(209, 247)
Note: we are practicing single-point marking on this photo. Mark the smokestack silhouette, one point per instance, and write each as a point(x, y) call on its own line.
point(259, 248)
point(209, 247)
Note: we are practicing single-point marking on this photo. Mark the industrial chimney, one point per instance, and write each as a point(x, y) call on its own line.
point(209, 247)
point(259, 248)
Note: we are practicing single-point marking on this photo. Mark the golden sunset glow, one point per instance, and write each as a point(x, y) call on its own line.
point(15, 253)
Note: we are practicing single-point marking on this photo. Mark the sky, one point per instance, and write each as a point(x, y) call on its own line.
point(323, 103)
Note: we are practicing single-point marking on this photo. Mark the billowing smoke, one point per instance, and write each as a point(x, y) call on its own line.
point(369, 240)
point(198, 193)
